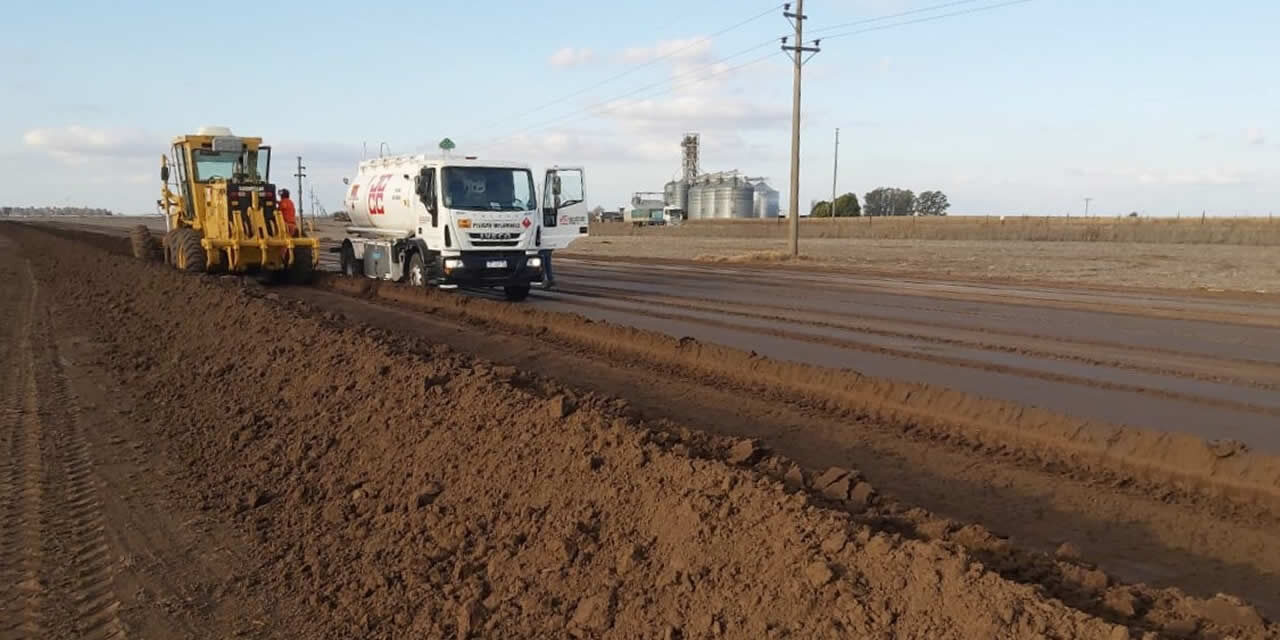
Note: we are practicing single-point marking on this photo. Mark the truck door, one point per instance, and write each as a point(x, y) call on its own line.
point(564, 207)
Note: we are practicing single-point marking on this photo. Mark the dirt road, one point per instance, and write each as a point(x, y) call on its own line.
point(1176, 362)
point(306, 492)
point(1203, 366)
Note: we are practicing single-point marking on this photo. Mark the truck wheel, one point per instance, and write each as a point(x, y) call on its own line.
point(301, 270)
point(516, 293)
point(191, 254)
point(143, 244)
point(416, 273)
point(350, 266)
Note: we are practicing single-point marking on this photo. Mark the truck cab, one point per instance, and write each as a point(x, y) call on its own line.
point(455, 223)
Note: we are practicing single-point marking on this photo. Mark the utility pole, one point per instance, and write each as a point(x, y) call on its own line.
point(835, 167)
point(300, 175)
point(1086, 206)
point(797, 55)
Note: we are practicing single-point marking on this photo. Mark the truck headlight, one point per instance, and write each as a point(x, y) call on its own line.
point(452, 263)
point(535, 263)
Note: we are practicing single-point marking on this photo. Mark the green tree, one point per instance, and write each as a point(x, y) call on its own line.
point(932, 203)
point(888, 201)
point(847, 206)
point(821, 209)
point(876, 202)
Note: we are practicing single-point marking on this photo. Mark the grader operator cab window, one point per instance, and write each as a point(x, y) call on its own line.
point(237, 166)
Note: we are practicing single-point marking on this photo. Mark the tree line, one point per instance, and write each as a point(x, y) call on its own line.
point(885, 201)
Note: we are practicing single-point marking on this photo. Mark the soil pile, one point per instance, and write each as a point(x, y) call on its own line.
point(396, 489)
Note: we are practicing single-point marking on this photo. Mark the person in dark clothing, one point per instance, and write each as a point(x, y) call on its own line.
point(548, 280)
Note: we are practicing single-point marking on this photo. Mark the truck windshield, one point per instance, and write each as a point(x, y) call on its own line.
point(488, 189)
point(238, 166)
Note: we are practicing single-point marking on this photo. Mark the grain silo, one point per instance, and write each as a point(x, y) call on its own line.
point(676, 194)
point(699, 200)
point(765, 201)
point(732, 196)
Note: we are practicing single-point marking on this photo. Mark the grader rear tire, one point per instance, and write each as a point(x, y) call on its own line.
point(142, 243)
point(191, 253)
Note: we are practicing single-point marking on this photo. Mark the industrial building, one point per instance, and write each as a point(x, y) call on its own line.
point(723, 194)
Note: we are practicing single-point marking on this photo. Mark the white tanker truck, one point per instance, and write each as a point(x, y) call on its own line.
point(460, 223)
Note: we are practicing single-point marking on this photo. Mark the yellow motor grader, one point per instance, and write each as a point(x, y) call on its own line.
point(221, 212)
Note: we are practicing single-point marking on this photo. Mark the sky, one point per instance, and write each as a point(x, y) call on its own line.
point(1164, 108)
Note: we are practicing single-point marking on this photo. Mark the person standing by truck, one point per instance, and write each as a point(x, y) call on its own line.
point(548, 280)
point(289, 214)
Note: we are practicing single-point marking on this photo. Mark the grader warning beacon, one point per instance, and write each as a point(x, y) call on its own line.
point(221, 212)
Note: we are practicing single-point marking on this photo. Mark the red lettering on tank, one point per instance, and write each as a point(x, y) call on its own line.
point(376, 188)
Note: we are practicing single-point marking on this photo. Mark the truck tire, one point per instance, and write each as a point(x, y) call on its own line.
point(301, 269)
point(416, 272)
point(350, 266)
point(191, 254)
point(144, 245)
point(516, 293)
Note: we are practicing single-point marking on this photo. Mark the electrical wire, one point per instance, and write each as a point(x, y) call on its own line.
point(912, 12)
point(953, 14)
point(588, 110)
point(670, 54)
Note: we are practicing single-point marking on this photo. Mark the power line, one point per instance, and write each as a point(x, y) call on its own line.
point(670, 54)
point(697, 70)
point(855, 23)
point(611, 105)
point(927, 19)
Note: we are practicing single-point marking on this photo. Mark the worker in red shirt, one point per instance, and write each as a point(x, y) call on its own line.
point(288, 213)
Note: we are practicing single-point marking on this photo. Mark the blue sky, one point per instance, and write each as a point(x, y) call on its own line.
point(1159, 107)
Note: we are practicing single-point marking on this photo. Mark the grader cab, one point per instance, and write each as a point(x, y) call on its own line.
point(221, 212)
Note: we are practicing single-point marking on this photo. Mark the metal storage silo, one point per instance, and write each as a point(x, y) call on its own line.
point(676, 194)
point(698, 201)
point(722, 197)
point(765, 201)
point(741, 198)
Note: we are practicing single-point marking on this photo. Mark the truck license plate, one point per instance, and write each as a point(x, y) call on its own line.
point(496, 264)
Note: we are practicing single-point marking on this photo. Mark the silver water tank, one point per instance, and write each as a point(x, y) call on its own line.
point(765, 201)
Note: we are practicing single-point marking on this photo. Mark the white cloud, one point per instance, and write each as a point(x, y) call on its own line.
point(75, 144)
point(571, 57)
point(1204, 177)
point(705, 112)
point(1256, 137)
point(687, 49)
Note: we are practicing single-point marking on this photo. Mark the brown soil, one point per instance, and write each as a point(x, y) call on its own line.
point(367, 484)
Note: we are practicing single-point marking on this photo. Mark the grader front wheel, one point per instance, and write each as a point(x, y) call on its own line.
point(190, 255)
point(143, 244)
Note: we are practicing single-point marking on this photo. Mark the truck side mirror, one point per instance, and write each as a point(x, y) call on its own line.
point(555, 185)
point(164, 173)
point(346, 181)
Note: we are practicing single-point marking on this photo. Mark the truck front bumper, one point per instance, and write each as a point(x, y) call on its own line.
point(491, 269)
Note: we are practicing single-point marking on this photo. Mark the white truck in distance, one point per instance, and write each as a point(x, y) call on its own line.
point(460, 223)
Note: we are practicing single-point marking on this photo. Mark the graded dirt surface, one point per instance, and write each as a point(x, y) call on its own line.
point(202, 457)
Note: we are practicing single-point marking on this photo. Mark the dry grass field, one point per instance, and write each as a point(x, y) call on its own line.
point(1238, 231)
point(1218, 255)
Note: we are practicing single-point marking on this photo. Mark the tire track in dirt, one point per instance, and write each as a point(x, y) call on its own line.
point(1248, 373)
point(60, 581)
point(1022, 372)
point(1118, 301)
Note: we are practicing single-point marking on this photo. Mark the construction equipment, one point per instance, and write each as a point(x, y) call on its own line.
point(221, 211)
